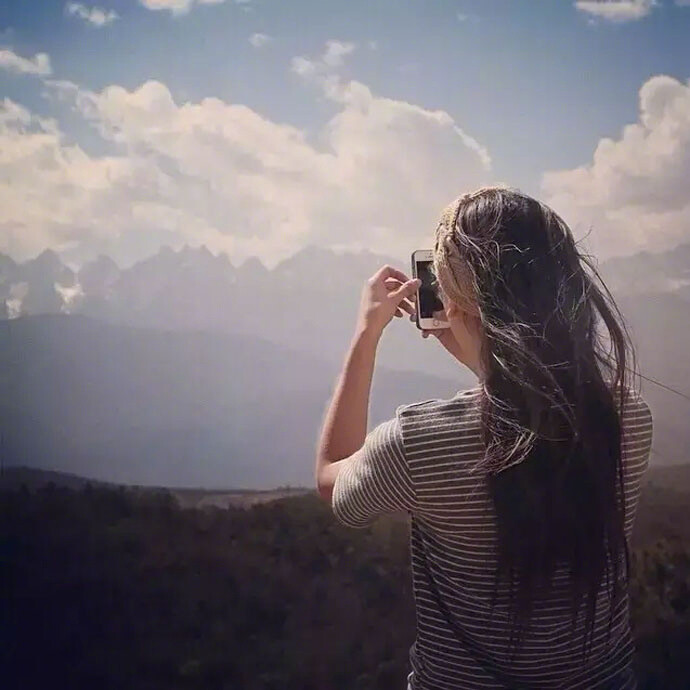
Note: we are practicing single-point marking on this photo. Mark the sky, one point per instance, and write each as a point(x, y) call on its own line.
point(257, 127)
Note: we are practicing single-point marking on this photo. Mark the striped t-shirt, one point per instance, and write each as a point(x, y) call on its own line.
point(421, 462)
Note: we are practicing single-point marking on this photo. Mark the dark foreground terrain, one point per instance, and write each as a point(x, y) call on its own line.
point(114, 587)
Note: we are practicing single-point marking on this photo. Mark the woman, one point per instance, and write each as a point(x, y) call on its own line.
point(522, 490)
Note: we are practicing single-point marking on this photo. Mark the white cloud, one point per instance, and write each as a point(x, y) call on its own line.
point(39, 64)
point(336, 51)
point(35, 164)
point(95, 16)
point(178, 6)
point(617, 10)
point(303, 66)
point(376, 174)
point(331, 58)
point(259, 40)
point(634, 193)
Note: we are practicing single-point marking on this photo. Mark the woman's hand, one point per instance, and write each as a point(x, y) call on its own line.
point(386, 294)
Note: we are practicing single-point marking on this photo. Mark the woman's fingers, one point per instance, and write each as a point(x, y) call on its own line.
point(388, 272)
point(394, 284)
point(409, 308)
point(402, 288)
point(406, 290)
point(399, 288)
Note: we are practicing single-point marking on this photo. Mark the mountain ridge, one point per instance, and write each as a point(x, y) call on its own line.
point(666, 271)
point(312, 292)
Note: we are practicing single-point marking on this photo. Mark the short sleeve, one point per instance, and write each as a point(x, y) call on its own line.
point(637, 447)
point(375, 480)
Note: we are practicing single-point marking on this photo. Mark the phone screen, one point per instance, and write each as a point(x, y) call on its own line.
point(429, 301)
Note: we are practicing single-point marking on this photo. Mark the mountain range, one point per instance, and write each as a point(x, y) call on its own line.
point(312, 293)
point(184, 369)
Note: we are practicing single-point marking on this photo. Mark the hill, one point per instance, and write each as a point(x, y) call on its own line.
point(663, 508)
point(117, 588)
point(143, 406)
point(14, 478)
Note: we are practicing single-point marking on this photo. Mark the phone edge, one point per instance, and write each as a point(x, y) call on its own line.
point(416, 306)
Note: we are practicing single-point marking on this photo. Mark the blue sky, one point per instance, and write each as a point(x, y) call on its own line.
point(537, 84)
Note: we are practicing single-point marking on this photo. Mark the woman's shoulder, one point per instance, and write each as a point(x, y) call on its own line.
point(435, 409)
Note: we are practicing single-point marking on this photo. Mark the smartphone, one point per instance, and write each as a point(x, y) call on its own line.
point(429, 311)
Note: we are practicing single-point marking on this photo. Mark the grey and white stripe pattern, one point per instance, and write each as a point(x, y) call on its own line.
point(422, 461)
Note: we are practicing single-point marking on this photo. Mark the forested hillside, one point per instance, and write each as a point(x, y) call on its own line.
point(107, 587)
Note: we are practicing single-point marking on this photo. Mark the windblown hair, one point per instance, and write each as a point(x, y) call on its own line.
point(553, 393)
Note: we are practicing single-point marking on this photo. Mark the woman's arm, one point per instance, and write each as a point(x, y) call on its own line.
point(346, 421)
point(345, 424)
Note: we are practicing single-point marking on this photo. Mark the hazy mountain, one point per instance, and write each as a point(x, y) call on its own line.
point(660, 328)
point(177, 408)
point(41, 285)
point(98, 280)
point(305, 306)
point(307, 302)
point(8, 273)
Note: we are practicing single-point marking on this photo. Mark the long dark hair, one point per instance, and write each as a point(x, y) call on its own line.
point(553, 392)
